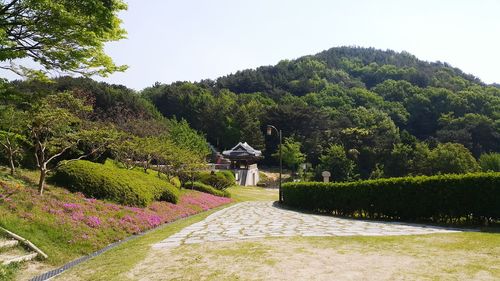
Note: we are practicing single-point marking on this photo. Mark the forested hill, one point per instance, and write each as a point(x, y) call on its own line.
point(349, 67)
point(376, 105)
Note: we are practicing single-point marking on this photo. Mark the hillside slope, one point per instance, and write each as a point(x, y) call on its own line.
point(367, 101)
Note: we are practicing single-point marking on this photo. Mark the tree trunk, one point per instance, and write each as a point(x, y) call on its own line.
point(41, 182)
point(12, 166)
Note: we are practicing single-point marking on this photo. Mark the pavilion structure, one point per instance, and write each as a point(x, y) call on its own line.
point(244, 159)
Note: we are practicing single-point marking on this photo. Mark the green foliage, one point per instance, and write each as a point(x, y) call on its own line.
point(8, 272)
point(184, 136)
point(359, 98)
point(64, 35)
point(291, 154)
point(475, 131)
point(335, 161)
point(437, 198)
point(57, 127)
point(175, 182)
point(450, 158)
point(490, 162)
point(13, 122)
point(218, 180)
point(227, 174)
point(207, 189)
point(107, 181)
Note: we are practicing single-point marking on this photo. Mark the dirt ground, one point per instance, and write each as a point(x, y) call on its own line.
point(32, 268)
point(313, 259)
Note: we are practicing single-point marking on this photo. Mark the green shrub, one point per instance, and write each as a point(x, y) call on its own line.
point(175, 182)
point(452, 158)
point(228, 174)
point(436, 198)
point(129, 187)
point(207, 189)
point(219, 180)
point(490, 162)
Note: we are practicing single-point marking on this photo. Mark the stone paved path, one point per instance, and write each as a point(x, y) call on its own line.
point(251, 220)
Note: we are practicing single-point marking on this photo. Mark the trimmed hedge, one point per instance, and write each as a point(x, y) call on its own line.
point(219, 180)
point(129, 187)
point(443, 198)
point(207, 189)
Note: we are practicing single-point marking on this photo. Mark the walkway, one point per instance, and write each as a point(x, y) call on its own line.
point(252, 220)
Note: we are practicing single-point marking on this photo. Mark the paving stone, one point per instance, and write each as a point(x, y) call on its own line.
point(254, 220)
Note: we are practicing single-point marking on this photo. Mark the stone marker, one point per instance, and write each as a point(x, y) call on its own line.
point(326, 176)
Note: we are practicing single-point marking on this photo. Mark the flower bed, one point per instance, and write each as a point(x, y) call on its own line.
point(65, 221)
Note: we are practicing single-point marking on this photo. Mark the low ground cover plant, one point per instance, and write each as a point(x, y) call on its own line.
point(444, 198)
point(107, 181)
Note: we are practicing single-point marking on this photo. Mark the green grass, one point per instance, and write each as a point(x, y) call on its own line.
point(8, 272)
point(251, 193)
point(457, 256)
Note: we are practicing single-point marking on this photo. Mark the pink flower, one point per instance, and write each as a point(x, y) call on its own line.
point(154, 220)
point(93, 222)
point(77, 216)
point(71, 206)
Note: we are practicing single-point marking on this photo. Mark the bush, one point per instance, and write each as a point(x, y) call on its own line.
point(175, 182)
point(452, 158)
point(207, 189)
point(490, 162)
point(436, 198)
point(228, 175)
point(219, 180)
point(129, 187)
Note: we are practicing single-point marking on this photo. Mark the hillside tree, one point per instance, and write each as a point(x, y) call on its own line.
point(65, 35)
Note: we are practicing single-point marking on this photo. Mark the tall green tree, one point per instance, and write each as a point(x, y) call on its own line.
point(65, 35)
point(490, 162)
point(452, 158)
point(291, 154)
point(335, 160)
point(13, 123)
point(56, 130)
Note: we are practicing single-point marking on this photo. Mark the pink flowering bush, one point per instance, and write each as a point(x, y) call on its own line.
point(85, 223)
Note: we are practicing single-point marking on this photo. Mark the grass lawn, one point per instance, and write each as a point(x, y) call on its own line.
point(457, 256)
point(466, 256)
point(251, 193)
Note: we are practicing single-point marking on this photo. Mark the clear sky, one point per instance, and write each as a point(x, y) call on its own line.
point(172, 40)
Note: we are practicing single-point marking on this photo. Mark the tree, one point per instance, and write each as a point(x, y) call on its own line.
point(452, 158)
point(336, 162)
point(13, 123)
point(291, 154)
point(56, 130)
point(372, 133)
point(184, 136)
point(399, 162)
point(249, 125)
point(476, 132)
point(66, 35)
point(490, 162)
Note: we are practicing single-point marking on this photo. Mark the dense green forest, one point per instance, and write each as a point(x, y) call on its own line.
point(44, 123)
point(359, 112)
